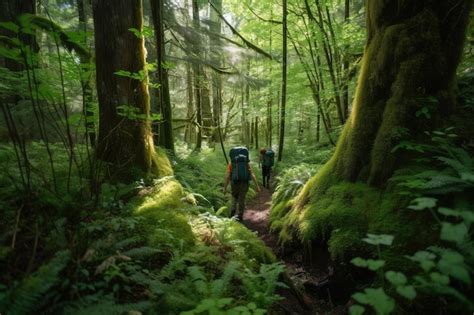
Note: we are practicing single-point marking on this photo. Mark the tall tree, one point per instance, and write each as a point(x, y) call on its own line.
point(166, 138)
point(125, 138)
point(215, 28)
point(400, 68)
point(283, 83)
point(198, 79)
point(86, 78)
point(10, 11)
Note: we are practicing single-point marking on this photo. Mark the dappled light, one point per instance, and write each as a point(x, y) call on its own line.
point(236, 157)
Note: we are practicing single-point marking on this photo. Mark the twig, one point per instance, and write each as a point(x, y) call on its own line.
point(17, 221)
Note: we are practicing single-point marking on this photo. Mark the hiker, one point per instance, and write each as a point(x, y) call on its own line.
point(266, 160)
point(239, 173)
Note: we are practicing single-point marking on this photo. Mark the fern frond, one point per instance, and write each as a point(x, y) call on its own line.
point(27, 297)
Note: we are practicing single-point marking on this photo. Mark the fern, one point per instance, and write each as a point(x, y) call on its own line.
point(106, 305)
point(220, 286)
point(28, 296)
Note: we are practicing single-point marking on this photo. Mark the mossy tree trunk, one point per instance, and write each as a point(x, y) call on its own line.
point(412, 52)
point(125, 139)
point(166, 138)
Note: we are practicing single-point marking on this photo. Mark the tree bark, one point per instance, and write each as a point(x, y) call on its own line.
point(198, 71)
point(283, 84)
point(400, 67)
point(86, 80)
point(215, 27)
point(125, 139)
point(165, 137)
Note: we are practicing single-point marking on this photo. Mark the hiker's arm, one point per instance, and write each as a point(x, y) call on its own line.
point(226, 182)
point(254, 179)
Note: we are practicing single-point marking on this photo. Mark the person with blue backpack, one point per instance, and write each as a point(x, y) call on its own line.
point(239, 173)
point(266, 160)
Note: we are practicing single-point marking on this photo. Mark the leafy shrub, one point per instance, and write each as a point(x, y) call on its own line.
point(444, 270)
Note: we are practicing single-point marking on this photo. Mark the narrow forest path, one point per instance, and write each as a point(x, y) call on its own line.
point(314, 277)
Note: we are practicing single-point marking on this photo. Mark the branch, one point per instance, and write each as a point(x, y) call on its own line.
point(262, 19)
point(235, 32)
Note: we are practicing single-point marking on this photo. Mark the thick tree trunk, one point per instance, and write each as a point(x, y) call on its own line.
point(10, 11)
point(166, 138)
point(412, 52)
point(125, 139)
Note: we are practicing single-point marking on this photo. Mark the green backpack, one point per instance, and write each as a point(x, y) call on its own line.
point(239, 157)
point(269, 158)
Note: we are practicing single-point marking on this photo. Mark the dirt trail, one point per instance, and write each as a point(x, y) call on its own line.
point(311, 278)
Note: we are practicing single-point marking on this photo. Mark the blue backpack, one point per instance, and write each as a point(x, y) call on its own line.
point(239, 157)
point(269, 158)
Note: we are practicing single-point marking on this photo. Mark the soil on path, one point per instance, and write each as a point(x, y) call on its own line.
point(311, 280)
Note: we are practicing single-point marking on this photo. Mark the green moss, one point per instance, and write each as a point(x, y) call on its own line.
point(164, 223)
point(249, 246)
point(161, 165)
point(341, 213)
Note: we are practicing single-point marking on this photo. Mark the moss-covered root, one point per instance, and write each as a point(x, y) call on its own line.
point(161, 165)
point(165, 223)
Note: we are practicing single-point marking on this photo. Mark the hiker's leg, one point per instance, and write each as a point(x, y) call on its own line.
point(235, 199)
point(269, 173)
point(244, 187)
point(263, 175)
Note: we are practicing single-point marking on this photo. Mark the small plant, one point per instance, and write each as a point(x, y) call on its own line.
point(445, 268)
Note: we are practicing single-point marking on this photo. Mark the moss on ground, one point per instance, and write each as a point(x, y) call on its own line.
point(341, 213)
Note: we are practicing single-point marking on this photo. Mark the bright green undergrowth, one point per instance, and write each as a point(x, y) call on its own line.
point(203, 174)
point(151, 246)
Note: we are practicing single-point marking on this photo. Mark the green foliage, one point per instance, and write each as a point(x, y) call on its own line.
point(443, 271)
point(34, 292)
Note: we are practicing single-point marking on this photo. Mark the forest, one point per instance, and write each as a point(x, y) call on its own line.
point(236, 157)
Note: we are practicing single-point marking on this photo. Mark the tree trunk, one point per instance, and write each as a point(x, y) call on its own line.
point(125, 138)
point(86, 79)
point(10, 11)
point(166, 139)
point(400, 67)
point(345, 69)
point(215, 27)
point(283, 84)
point(190, 131)
point(197, 70)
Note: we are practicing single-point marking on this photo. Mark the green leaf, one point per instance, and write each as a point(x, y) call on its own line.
point(449, 212)
point(425, 260)
point(439, 278)
point(452, 264)
point(396, 278)
point(382, 239)
point(454, 232)
point(375, 265)
point(359, 262)
point(381, 302)
point(10, 26)
point(356, 310)
point(423, 203)
point(407, 291)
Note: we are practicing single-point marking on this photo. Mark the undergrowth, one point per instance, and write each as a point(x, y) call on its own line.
point(151, 246)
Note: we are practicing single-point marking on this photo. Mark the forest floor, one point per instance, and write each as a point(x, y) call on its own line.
point(310, 279)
